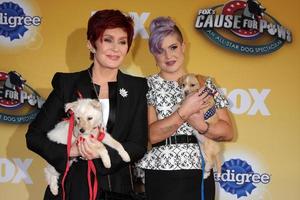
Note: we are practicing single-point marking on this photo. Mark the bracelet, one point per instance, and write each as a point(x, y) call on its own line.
point(180, 115)
point(202, 133)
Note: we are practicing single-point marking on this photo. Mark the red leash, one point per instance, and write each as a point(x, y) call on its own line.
point(70, 133)
point(92, 190)
point(92, 169)
point(91, 166)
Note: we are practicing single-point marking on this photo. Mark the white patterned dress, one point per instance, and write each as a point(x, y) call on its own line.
point(163, 95)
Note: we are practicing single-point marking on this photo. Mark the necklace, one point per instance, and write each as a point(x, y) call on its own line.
point(94, 87)
point(98, 98)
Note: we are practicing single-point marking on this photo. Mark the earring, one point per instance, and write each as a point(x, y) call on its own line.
point(92, 50)
point(90, 47)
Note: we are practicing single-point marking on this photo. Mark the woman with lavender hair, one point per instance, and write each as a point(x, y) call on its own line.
point(173, 166)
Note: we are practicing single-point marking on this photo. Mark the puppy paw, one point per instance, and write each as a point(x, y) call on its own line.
point(54, 189)
point(206, 174)
point(106, 162)
point(125, 156)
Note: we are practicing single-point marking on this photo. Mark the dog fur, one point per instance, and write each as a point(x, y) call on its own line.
point(191, 83)
point(88, 121)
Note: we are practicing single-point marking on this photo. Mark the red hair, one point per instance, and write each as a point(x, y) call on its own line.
point(108, 19)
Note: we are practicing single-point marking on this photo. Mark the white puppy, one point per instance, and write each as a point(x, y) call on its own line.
point(88, 120)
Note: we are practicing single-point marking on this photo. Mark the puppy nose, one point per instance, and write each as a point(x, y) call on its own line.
point(81, 130)
point(186, 93)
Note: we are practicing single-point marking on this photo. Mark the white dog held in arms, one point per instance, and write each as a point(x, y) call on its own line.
point(88, 121)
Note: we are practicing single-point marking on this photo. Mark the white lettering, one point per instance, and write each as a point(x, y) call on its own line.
point(209, 22)
point(263, 24)
point(241, 101)
point(265, 178)
point(228, 21)
point(139, 22)
point(259, 102)
point(242, 178)
point(22, 174)
point(8, 170)
point(17, 167)
point(249, 101)
point(236, 22)
point(13, 21)
point(199, 23)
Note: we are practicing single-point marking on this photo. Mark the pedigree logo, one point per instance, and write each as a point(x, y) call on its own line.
point(14, 22)
point(19, 103)
point(252, 30)
point(239, 179)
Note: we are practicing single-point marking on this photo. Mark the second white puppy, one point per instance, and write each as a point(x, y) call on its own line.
point(88, 121)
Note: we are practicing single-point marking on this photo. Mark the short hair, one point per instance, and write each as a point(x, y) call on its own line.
point(161, 27)
point(109, 19)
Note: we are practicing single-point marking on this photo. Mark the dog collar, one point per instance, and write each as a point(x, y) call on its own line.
point(210, 112)
point(101, 134)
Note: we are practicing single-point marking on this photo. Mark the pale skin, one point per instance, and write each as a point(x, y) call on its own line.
point(109, 53)
point(170, 62)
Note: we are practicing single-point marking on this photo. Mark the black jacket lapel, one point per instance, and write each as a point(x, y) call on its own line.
point(122, 105)
point(112, 106)
point(85, 85)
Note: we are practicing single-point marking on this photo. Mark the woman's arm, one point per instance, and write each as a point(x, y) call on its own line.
point(159, 130)
point(222, 130)
point(50, 114)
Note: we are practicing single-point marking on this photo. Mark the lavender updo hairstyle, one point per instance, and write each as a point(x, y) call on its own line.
point(161, 27)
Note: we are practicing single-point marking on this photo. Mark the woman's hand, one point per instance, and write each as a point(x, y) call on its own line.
point(222, 130)
point(197, 121)
point(194, 103)
point(89, 147)
point(74, 152)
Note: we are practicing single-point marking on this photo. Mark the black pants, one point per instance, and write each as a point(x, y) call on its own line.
point(178, 184)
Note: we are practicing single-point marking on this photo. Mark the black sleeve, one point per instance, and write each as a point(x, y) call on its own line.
point(136, 142)
point(50, 114)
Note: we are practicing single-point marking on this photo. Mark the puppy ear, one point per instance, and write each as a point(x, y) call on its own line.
point(181, 79)
point(201, 79)
point(96, 104)
point(71, 106)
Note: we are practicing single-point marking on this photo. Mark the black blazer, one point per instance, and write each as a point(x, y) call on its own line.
point(127, 123)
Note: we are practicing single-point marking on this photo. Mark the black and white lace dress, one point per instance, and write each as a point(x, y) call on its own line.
point(163, 95)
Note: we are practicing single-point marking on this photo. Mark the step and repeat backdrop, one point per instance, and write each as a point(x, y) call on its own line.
point(250, 49)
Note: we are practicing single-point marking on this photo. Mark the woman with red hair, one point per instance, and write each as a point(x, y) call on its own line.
point(123, 99)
